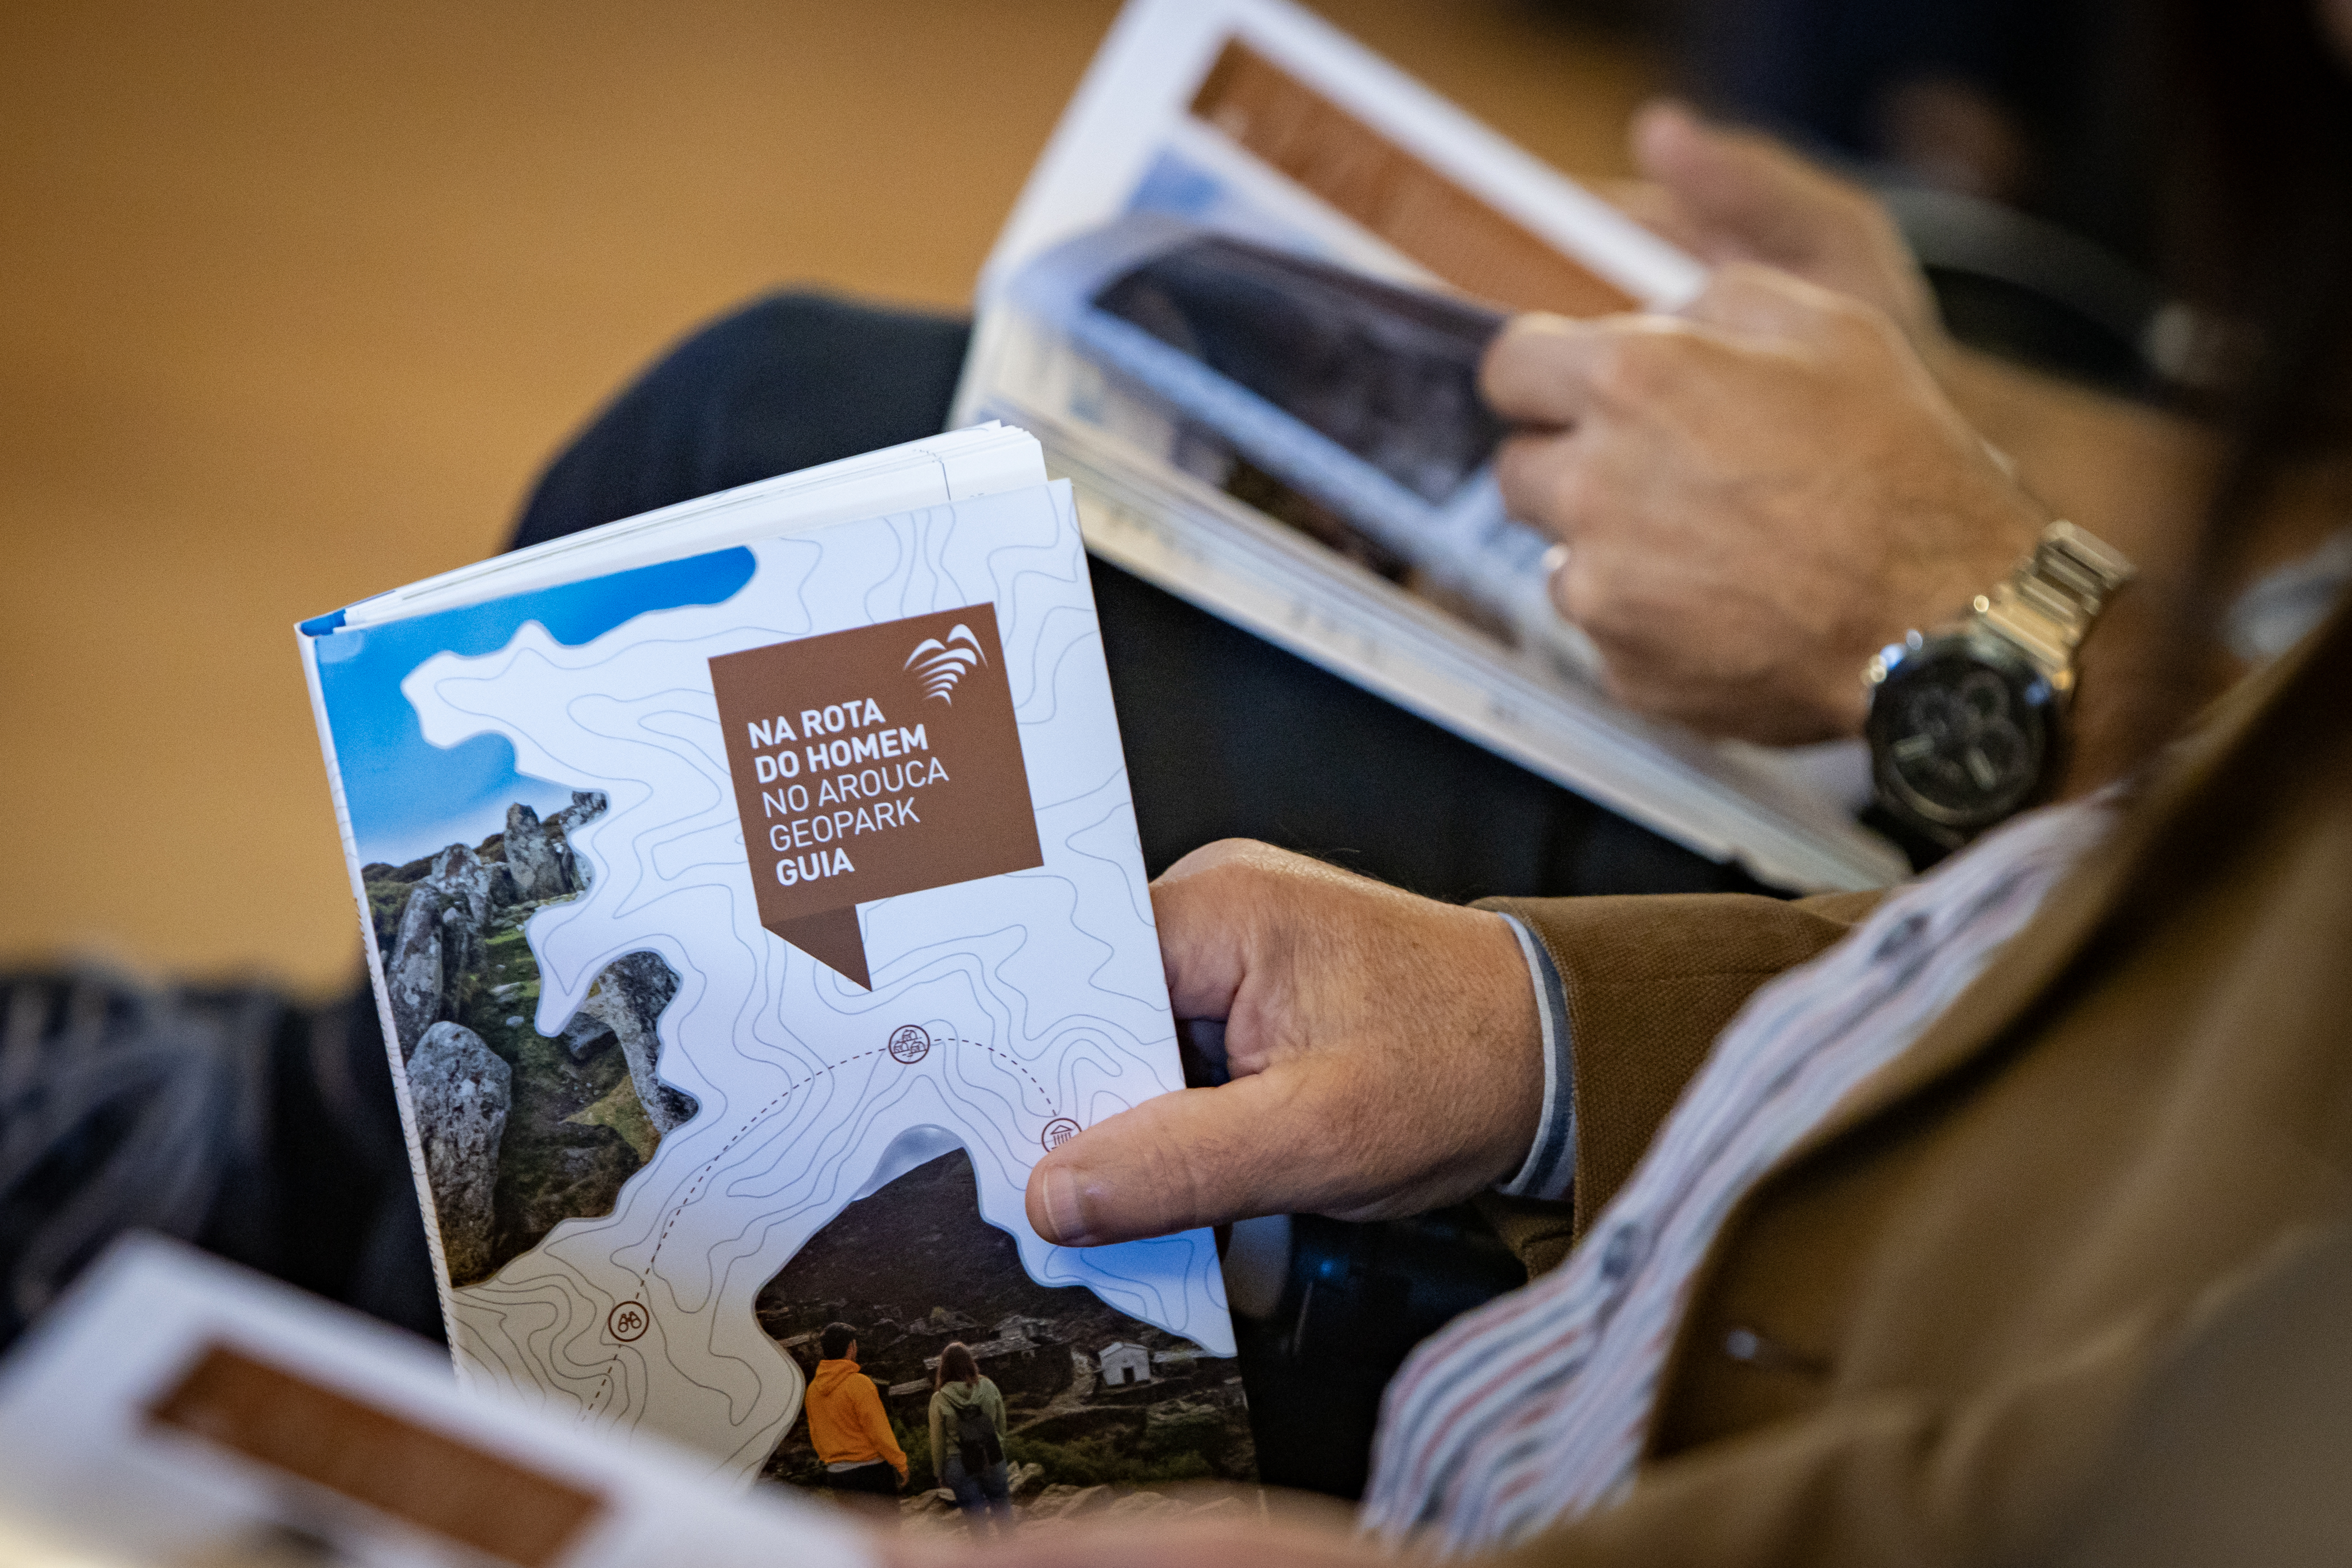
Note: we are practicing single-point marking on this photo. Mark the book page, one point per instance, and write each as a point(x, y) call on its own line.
point(1259, 119)
point(1341, 405)
point(980, 461)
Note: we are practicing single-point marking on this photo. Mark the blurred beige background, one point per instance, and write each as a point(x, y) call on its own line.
point(295, 299)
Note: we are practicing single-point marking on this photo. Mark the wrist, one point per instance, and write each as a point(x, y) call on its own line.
point(1978, 541)
point(1967, 722)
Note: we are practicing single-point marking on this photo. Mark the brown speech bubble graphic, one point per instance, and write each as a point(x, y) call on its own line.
point(870, 763)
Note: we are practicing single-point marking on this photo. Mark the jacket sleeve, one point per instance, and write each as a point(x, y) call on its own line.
point(878, 1426)
point(1650, 981)
point(939, 1441)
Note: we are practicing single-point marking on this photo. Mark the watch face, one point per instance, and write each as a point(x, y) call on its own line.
point(1960, 732)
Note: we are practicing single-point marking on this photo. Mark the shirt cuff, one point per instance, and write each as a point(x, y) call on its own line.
point(1550, 1168)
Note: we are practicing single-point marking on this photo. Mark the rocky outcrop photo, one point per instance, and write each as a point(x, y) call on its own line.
point(1097, 1402)
point(462, 1091)
point(521, 1130)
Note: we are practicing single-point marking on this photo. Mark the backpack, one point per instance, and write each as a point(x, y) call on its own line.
point(976, 1443)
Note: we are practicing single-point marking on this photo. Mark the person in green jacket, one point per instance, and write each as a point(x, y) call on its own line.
point(968, 1438)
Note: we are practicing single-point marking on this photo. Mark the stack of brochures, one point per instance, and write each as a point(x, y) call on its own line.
point(1243, 301)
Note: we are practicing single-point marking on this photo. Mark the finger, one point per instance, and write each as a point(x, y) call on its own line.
point(1588, 595)
point(1741, 196)
point(1555, 581)
point(1540, 477)
point(1528, 375)
point(1554, 372)
point(1756, 301)
point(1203, 953)
point(1750, 195)
point(1207, 908)
point(1198, 1157)
point(1658, 210)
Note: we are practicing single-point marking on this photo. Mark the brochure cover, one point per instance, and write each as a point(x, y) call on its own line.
point(746, 927)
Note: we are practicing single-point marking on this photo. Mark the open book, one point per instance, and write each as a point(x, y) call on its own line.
point(173, 1409)
point(752, 896)
point(1241, 302)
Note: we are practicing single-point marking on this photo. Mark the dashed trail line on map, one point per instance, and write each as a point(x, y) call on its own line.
point(603, 1384)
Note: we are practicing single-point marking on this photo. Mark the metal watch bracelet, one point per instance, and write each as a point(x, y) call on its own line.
point(2047, 604)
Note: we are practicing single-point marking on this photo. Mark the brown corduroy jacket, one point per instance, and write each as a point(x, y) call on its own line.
point(1911, 1341)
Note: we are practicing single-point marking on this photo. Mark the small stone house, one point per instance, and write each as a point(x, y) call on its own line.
point(1124, 1363)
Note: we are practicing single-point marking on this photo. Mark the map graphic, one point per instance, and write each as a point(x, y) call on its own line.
point(1005, 1013)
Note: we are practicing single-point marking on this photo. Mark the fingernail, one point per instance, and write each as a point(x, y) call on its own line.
point(1066, 1215)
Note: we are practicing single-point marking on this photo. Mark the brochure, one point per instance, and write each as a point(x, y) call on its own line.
point(752, 895)
point(1241, 302)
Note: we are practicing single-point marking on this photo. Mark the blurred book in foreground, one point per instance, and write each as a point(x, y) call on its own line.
point(1241, 302)
point(174, 1411)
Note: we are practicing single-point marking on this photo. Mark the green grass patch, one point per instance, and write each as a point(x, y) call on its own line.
point(1106, 1459)
point(622, 1110)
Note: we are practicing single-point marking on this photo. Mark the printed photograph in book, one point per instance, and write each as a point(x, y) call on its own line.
point(1341, 406)
point(1260, 255)
point(746, 927)
point(1283, 124)
point(1387, 374)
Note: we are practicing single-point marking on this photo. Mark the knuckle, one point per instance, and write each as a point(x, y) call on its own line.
point(1623, 372)
point(1518, 367)
point(1225, 859)
point(1850, 328)
point(1740, 282)
point(1576, 498)
point(1751, 294)
point(1511, 347)
point(1518, 468)
point(1584, 592)
point(1851, 324)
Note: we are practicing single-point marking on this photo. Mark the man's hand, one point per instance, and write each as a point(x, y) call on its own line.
point(2137, 478)
point(1727, 195)
point(1755, 497)
point(1384, 1052)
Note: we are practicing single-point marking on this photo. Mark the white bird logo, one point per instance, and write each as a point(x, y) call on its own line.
point(939, 665)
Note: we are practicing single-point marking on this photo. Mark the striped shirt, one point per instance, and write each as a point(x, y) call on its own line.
point(1550, 1170)
point(1534, 1409)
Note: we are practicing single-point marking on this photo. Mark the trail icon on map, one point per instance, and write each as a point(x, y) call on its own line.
point(861, 773)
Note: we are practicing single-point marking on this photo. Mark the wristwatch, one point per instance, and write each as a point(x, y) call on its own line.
point(1966, 721)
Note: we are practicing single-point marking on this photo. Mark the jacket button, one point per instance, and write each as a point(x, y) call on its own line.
point(1752, 1349)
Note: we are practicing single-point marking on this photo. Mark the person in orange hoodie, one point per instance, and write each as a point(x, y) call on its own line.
point(846, 1423)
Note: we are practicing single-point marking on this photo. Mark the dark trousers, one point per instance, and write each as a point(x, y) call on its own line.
point(983, 1494)
point(878, 1477)
point(1226, 736)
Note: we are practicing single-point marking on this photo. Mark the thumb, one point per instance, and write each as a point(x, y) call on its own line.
point(1748, 196)
point(1742, 196)
point(1194, 1157)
